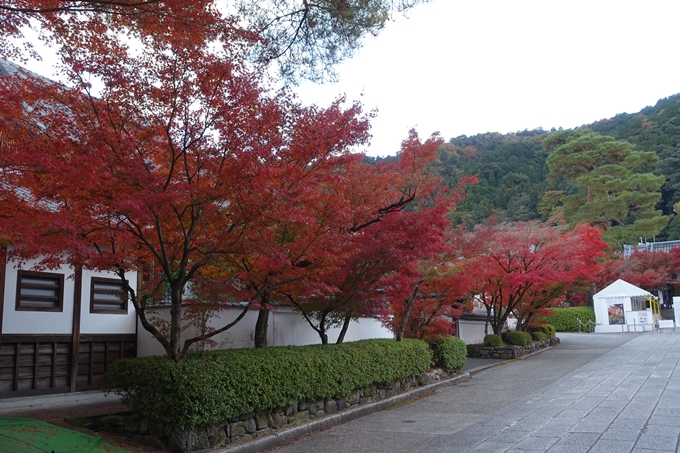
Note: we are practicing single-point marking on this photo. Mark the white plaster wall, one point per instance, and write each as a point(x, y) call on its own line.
point(105, 323)
point(291, 328)
point(471, 332)
point(36, 322)
point(239, 336)
point(286, 327)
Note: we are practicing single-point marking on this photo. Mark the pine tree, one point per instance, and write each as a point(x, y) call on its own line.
point(607, 183)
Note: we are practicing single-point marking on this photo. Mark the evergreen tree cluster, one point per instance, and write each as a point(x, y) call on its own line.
point(517, 184)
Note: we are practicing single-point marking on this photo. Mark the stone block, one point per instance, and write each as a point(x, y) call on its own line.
point(262, 420)
point(244, 417)
point(370, 390)
point(355, 396)
point(186, 440)
point(341, 403)
point(143, 427)
point(298, 417)
point(273, 420)
point(212, 430)
point(303, 405)
point(219, 439)
point(426, 378)
point(313, 409)
point(330, 407)
point(250, 425)
point(290, 409)
point(156, 430)
point(237, 429)
point(132, 425)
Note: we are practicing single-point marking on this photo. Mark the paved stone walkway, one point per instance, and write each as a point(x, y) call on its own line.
point(626, 401)
point(593, 393)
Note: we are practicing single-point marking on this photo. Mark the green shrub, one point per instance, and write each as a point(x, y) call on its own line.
point(450, 353)
point(493, 340)
point(213, 386)
point(548, 330)
point(527, 337)
point(564, 319)
point(539, 336)
point(517, 338)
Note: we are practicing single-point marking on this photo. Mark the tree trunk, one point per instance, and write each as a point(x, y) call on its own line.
point(261, 327)
point(343, 331)
point(173, 350)
point(322, 328)
point(409, 307)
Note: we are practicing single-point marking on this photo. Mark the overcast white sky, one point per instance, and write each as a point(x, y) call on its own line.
point(467, 67)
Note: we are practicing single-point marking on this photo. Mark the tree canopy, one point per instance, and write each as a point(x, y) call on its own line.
point(306, 39)
point(607, 183)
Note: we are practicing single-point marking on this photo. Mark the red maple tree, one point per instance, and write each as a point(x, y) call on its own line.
point(653, 271)
point(519, 269)
point(182, 159)
point(374, 238)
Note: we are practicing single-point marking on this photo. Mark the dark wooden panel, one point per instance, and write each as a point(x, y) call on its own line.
point(44, 362)
point(46, 348)
point(37, 338)
point(7, 360)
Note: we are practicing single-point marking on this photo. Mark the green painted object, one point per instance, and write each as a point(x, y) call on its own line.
point(25, 435)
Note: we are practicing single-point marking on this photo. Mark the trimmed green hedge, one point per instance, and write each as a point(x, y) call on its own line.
point(450, 353)
point(210, 387)
point(564, 319)
point(539, 336)
point(517, 338)
point(492, 340)
point(548, 330)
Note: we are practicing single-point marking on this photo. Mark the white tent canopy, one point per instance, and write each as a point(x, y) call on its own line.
point(622, 307)
point(621, 288)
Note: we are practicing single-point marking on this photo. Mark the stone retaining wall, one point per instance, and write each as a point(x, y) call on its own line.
point(479, 351)
point(249, 426)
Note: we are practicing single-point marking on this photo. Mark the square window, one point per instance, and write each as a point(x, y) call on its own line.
point(107, 295)
point(39, 291)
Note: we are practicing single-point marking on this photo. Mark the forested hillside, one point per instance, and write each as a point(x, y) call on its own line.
point(513, 174)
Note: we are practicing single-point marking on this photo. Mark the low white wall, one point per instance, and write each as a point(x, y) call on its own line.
point(49, 322)
point(37, 322)
point(471, 332)
point(286, 327)
point(105, 323)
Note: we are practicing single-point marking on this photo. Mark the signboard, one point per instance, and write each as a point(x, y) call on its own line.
point(615, 312)
point(643, 318)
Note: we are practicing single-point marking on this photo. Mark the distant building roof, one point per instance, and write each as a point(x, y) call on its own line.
point(663, 246)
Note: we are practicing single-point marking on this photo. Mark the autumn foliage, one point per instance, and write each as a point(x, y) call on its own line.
point(186, 163)
point(654, 271)
point(520, 269)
